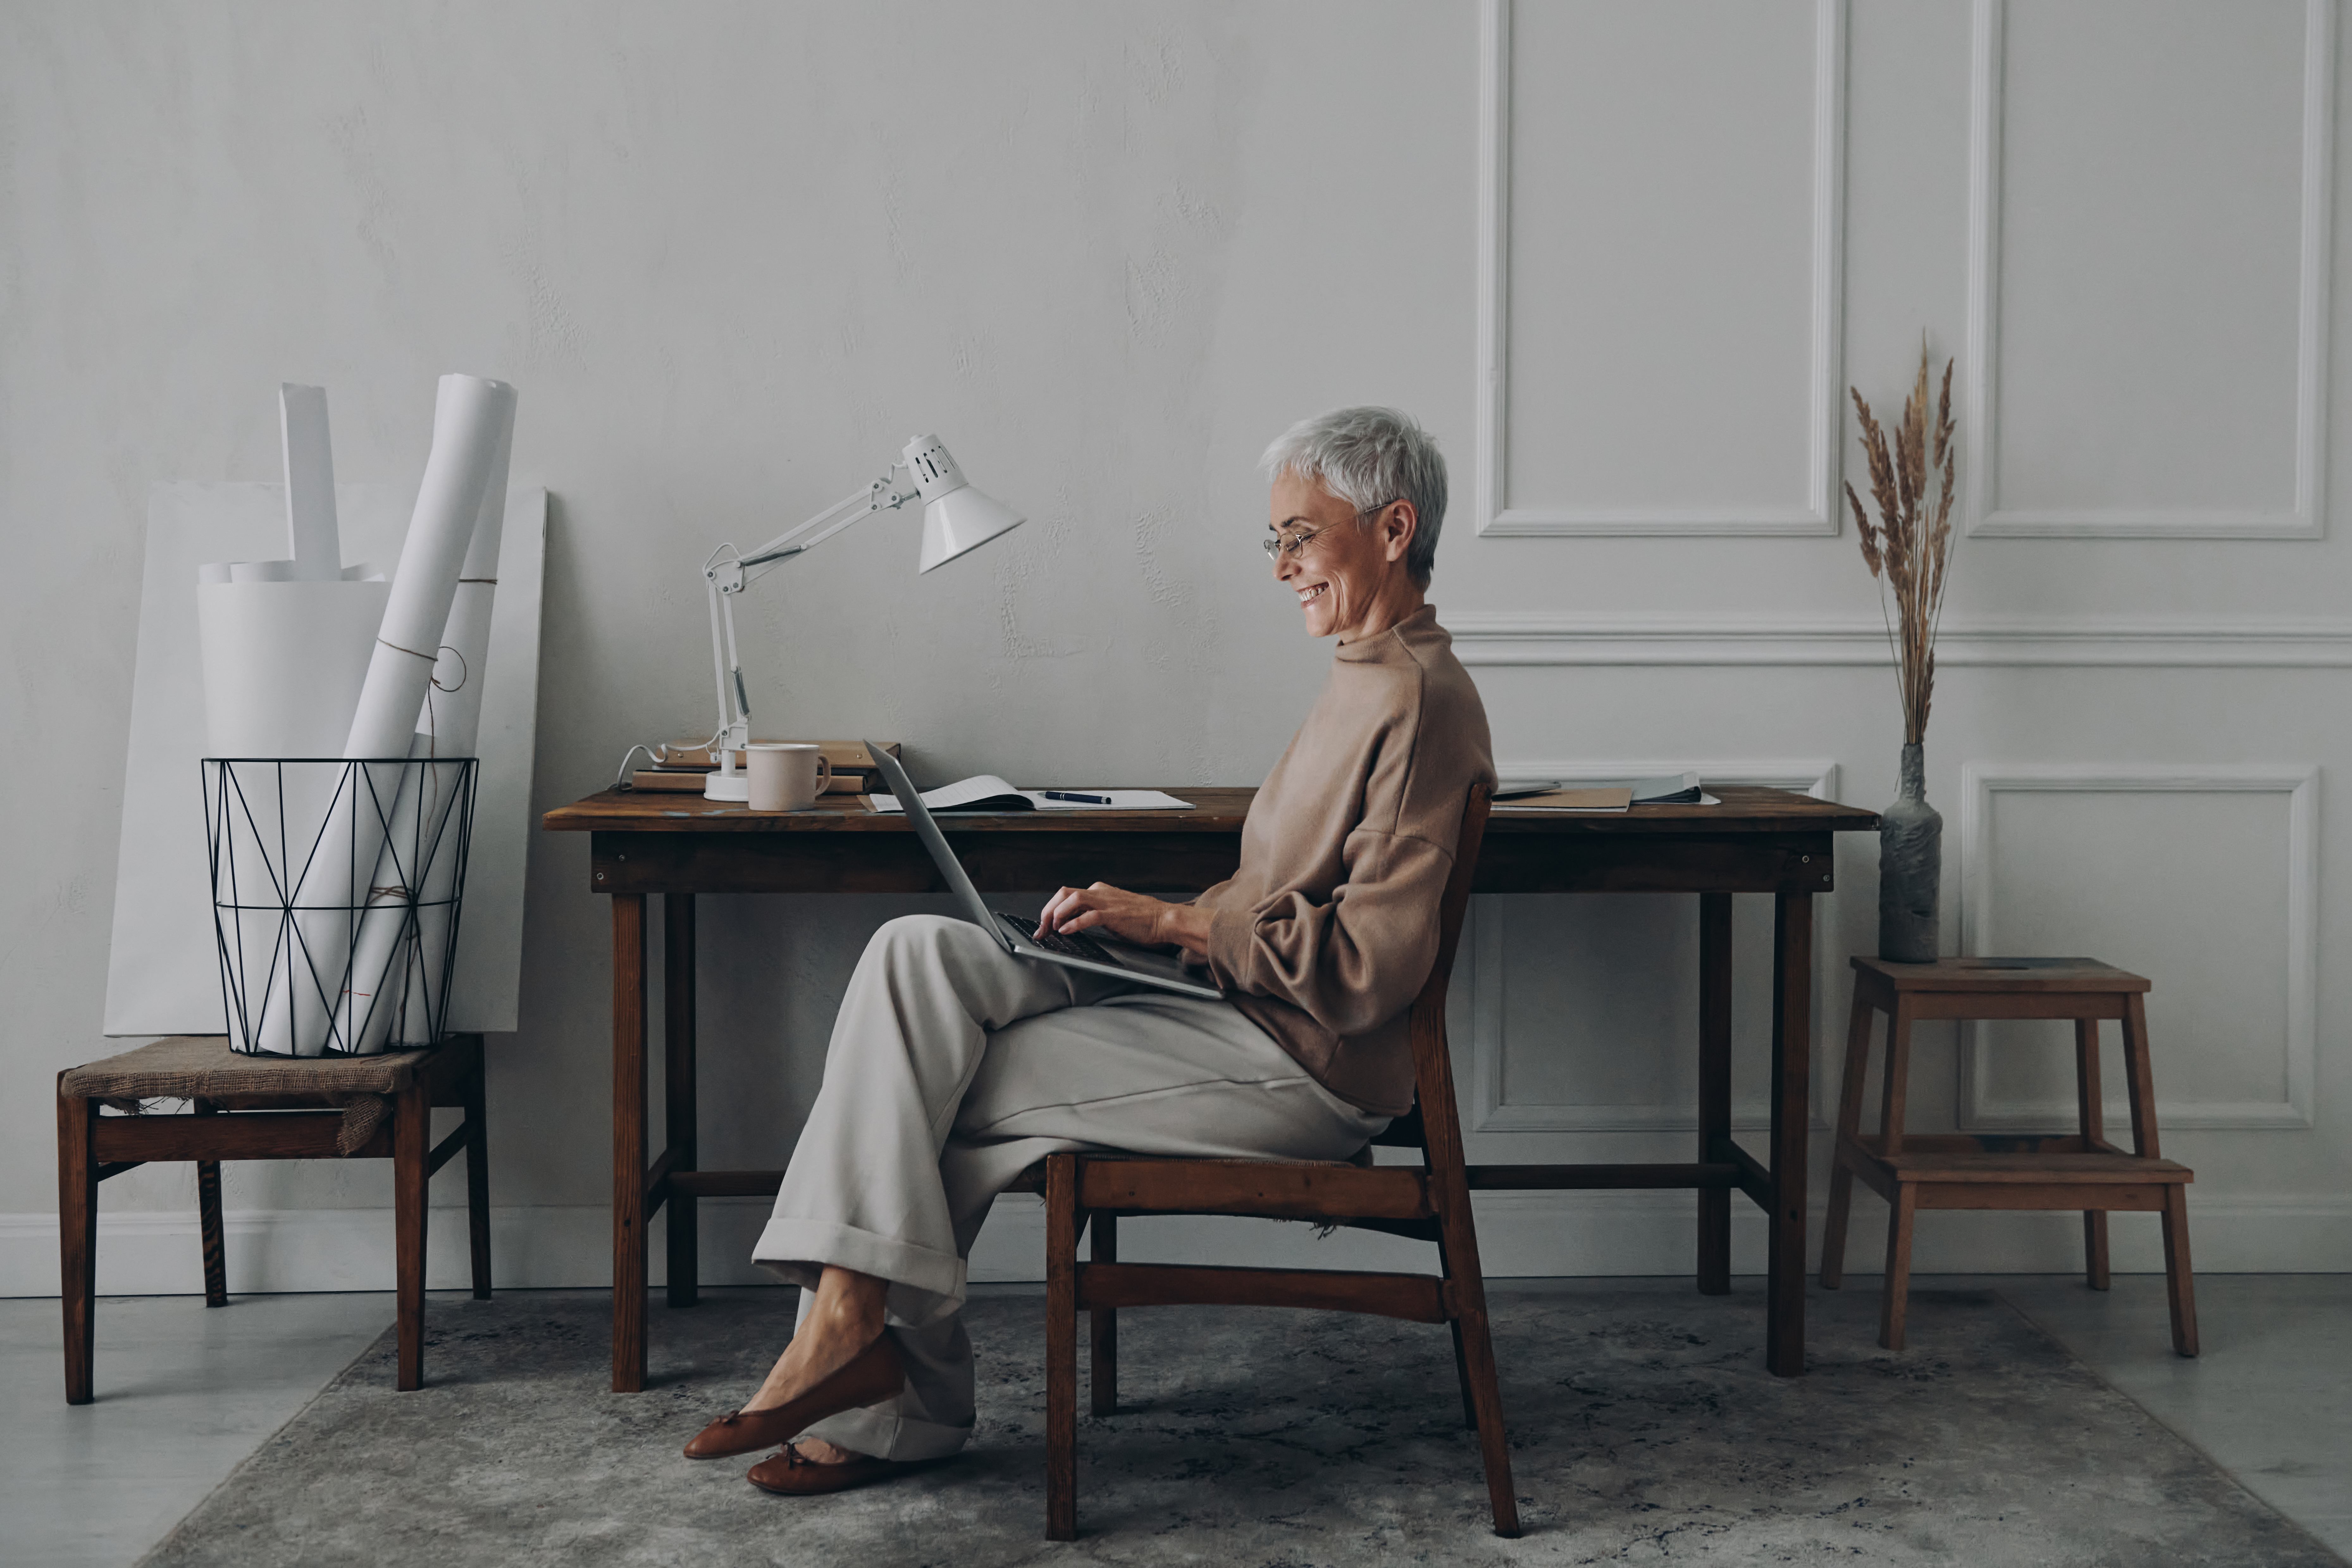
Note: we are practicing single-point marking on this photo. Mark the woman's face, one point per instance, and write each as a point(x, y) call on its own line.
point(1351, 570)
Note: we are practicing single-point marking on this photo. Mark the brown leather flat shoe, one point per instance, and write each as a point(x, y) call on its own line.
point(788, 1474)
point(872, 1375)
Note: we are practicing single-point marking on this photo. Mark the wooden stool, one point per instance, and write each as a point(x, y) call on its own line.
point(1960, 1171)
point(267, 1108)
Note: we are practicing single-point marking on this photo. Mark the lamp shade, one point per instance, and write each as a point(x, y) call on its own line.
point(956, 517)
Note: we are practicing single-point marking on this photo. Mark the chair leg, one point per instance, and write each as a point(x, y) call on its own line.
point(412, 1137)
point(208, 1219)
point(1486, 1399)
point(2094, 1248)
point(1103, 1325)
point(2090, 1114)
point(2139, 1081)
point(1461, 1352)
point(1461, 1375)
point(477, 1177)
point(1474, 1347)
point(1061, 1347)
point(1834, 1223)
point(77, 1240)
point(1896, 1304)
point(2179, 1284)
point(208, 1222)
point(1849, 1127)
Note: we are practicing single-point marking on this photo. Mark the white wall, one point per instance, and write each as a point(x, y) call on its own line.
point(733, 255)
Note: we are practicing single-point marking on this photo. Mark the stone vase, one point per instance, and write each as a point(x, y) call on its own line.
point(1910, 868)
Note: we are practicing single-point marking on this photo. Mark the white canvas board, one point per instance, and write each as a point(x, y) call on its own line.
point(162, 973)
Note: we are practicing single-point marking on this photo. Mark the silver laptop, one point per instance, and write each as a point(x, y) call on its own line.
point(1096, 953)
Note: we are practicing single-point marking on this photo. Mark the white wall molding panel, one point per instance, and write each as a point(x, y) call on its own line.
point(1585, 418)
point(2221, 915)
point(1486, 980)
point(1538, 638)
point(2150, 232)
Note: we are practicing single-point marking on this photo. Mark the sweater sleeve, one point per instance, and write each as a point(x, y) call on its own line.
point(1352, 963)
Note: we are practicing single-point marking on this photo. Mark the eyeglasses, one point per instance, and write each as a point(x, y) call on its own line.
point(1290, 541)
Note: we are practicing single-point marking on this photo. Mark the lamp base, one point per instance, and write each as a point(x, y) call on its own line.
point(727, 787)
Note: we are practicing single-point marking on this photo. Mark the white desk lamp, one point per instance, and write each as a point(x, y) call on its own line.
point(956, 518)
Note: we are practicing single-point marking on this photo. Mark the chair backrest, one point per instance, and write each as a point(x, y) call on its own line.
point(1455, 904)
point(1432, 1063)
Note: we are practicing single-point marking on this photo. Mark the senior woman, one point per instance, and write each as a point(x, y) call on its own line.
point(955, 1064)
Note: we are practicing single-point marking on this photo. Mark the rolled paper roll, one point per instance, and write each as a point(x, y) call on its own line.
point(452, 715)
point(311, 537)
point(283, 664)
point(470, 415)
point(385, 964)
point(450, 726)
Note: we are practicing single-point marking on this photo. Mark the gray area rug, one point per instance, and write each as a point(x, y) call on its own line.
point(1643, 1429)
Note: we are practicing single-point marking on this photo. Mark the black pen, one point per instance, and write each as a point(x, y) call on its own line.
point(1082, 799)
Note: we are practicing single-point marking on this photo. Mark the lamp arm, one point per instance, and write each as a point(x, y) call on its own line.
point(727, 573)
point(882, 495)
point(719, 664)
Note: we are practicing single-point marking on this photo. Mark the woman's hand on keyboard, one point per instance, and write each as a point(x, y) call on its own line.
point(1131, 917)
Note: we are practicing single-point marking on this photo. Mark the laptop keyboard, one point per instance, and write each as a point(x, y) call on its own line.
point(1067, 944)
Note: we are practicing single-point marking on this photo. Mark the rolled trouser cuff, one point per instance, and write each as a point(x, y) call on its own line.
point(925, 1284)
point(880, 1430)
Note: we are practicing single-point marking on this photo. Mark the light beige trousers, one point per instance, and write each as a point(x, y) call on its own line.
point(953, 1066)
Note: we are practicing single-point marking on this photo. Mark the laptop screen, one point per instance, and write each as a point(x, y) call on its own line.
point(950, 869)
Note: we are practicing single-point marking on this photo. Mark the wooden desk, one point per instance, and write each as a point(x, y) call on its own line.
point(1756, 841)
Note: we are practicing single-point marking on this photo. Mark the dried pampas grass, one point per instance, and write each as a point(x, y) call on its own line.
point(1910, 548)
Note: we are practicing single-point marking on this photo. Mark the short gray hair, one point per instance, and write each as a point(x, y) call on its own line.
point(1369, 458)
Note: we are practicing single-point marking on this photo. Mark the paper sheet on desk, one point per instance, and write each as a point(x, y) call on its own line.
point(988, 792)
point(1540, 803)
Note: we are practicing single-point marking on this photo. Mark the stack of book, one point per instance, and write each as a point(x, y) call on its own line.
point(684, 765)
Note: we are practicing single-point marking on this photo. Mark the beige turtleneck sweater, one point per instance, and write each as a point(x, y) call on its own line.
point(1326, 932)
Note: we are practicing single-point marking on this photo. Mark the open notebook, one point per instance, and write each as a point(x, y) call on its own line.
point(1551, 794)
point(986, 792)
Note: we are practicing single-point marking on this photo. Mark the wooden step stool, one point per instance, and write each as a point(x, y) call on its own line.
point(1960, 1171)
point(267, 1108)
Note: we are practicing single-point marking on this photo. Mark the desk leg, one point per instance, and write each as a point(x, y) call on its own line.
point(1713, 1086)
point(1792, 1033)
point(628, 1143)
point(678, 1107)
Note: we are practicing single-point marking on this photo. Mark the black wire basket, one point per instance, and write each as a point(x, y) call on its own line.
point(336, 888)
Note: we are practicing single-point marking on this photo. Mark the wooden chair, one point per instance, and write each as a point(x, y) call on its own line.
point(1431, 1203)
point(267, 1108)
point(1961, 1171)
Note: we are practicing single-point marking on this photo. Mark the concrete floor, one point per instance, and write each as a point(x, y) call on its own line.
point(186, 1393)
point(2269, 1400)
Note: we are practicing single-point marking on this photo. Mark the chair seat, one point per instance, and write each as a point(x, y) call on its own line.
point(1033, 1180)
point(202, 1067)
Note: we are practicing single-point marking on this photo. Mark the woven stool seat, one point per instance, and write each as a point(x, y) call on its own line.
point(193, 1066)
point(202, 1067)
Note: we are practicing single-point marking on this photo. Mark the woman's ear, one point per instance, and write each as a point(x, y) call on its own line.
point(1397, 529)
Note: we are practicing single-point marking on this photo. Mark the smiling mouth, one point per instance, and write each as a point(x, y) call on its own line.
point(1308, 595)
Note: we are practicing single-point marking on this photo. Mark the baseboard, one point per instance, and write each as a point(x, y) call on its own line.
point(1520, 1235)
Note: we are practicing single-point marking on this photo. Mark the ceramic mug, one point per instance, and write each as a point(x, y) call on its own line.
point(785, 775)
